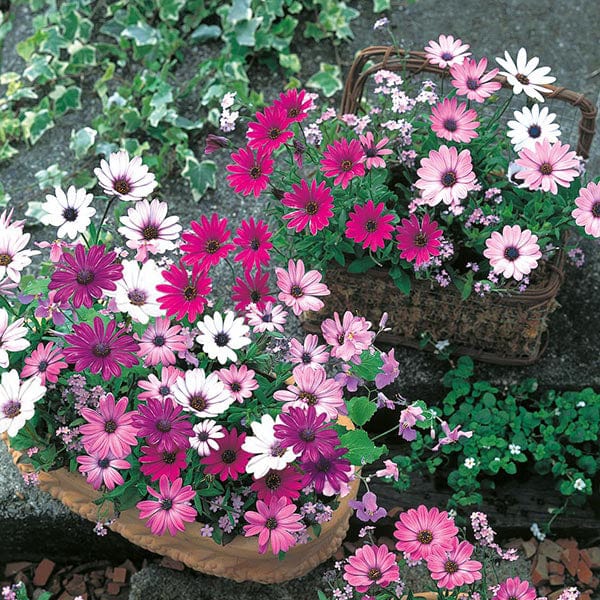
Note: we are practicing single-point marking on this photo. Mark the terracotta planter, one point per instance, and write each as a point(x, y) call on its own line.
point(238, 560)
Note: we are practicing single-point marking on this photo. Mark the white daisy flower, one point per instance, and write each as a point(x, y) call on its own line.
point(70, 212)
point(525, 75)
point(204, 396)
point(12, 337)
point(531, 126)
point(267, 450)
point(127, 179)
point(207, 432)
point(13, 256)
point(17, 401)
point(221, 337)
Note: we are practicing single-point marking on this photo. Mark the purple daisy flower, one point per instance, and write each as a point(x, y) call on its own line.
point(328, 469)
point(84, 276)
point(99, 349)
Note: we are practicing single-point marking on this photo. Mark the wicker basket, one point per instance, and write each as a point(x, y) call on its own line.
point(503, 329)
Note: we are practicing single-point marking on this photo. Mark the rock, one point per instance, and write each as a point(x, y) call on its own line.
point(43, 572)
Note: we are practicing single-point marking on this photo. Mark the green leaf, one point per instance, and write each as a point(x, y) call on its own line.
point(205, 33)
point(361, 450)
point(142, 34)
point(401, 278)
point(290, 62)
point(170, 9)
point(245, 31)
point(65, 99)
point(361, 265)
point(370, 365)
point(82, 140)
point(240, 11)
point(201, 175)
point(360, 409)
point(328, 79)
point(35, 124)
point(381, 5)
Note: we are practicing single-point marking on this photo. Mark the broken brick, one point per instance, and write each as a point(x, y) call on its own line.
point(550, 549)
point(168, 562)
point(553, 595)
point(585, 596)
point(539, 572)
point(391, 545)
point(584, 574)
point(339, 554)
point(43, 572)
point(556, 579)
point(570, 559)
point(13, 568)
point(76, 585)
point(529, 547)
point(113, 588)
point(592, 557)
point(131, 568)
point(567, 543)
point(556, 568)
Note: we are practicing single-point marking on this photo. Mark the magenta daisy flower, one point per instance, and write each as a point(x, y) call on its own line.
point(270, 130)
point(420, 530)
point(160, 342)
point(252, 289)
point(101, 350)
point(283, 483)
point(163, 424)
point(295, 104)
point(347, 337)
point(253, 241)
point(207, 245)
point(371, 565)
point(470, 80)
point(368, 226)
point(313, 206)
point(547, 165)
point(445, 175)
point(453, 567)
point(452, 121)
point(171, 509)
point(250, 173)
point(275, 522)
point(102, 470)
point(109, 430)
point(127, 179)
point(155, 463)
point(587, 213)
point(84, 276)
point(446, 51)
point(306, 432)
point(312, 388)
point(374, 152)
point(310, 353)
point(184, 293)
point(343, 160)
point(239, 382)
point(513, 253)
point(45, 361)
point(418, 241)
point(299, 289)
point(159, 388)
point(328, 470)
point(515, 589)
point(230, 459)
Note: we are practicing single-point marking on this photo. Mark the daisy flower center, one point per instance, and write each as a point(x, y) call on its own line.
point(450, 567)
point(221, 339)
point(150, 232)
point(449, 179)
point(43, 365)
point(101, 350)
point(159, 340)
point(371, 226)
point(447, 55)
point(311, 208)
point(203, 436)
point(596, 210)
point(472, 83)
point(271, 523)
point(212, 246)
point(272, 481)
point(274, 133)
point(306, 358)
point(169, 457)
point(534, 131)
point(278, 450)
point(267, 318)
point(85, 277)
point(70, 214)
point(255, 244)
point(425, 536)
point(122, 186)
point(229, 456)
point(255, 296)
point(546, 169)
point(346, 165)
point(5, 260)
point(296, 291)
point(293, 112)
point(166, 504)
point(307, 435)
point(371, 152)
point(420, 240)
point(198, 403)
point(236, 387)
point(110, 426)
point(307, 397)
point(103, 463)
point(255, 172)
point(163, 425)
point(374, 574)
point(511, 253)
point(450, 125)
point(522, 78)
point(190, 293)
point(164, 390)
point(12, 409)
point(137, 297)
point(512, 598)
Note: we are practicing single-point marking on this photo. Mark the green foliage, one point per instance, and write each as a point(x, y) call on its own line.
point(362, 450)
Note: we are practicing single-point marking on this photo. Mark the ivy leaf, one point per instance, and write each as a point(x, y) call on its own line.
point(205, 33)
point(35, 124)
point(328, 79)
point(245, 31)
point(82, 140)
point(142, 34)
point(381, 5)
point(201, 175)
point(240, 11)
point(169, 9)
point(290, 62)
point(401, 279)
point(361, 409)
point(65, 99)
point(361, 450)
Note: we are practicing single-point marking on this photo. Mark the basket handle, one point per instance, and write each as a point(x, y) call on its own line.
point(397, 59)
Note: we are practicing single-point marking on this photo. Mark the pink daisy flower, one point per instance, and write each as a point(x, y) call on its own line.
point(515, 589)
point(127, 179)
point(163, 424)
point(347, 337)
point(310, 353)
point(239, 382)
point(368, 226)
point(109, 430)
point(374, 152)
point(271, 317)
point(418, 241)
point(155, 463)
point(445, 175)
point(252, 289)
point(250, 173)
point(253, 241)
point(446, 51)
point(547, 165)
point(452, 121)
point(101, 350)
point(159, 388)
point(84, 276)
point(453, 567)
point(271, 130)
point(371, 565)
point(184, 293)
point(313, 206)
point(206, 434)
point(45, 361)
point(470, 80)
point(312, 388)
point(13, 337)
point(587, 213)
point(295, 103)
point(102, 470)
point(13, 254)
point(284, 483)
point(160, 342)
point(299, 289)
point(343, 160)
point(171, 509)
point(230, 459)
point(275, 522)
point(513, 253)
point(207, 245)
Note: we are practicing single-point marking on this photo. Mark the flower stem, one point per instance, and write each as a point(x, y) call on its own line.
point(108, 205)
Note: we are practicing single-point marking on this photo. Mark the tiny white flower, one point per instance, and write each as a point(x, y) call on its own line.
point(580, 404)
point(514, 449)
point(221, 337)
point(207, 432)
point(531, 126)
point(70, 212)
point(228, 100)
point(442, 345)
point(17, 400)
point(579, 484)
point(470, 463)
point(535, 530)
point(452, 514)
point(525, 75)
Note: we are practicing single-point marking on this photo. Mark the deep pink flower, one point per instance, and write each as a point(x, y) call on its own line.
point(328, 470)
point(270, 130)
point(515, 589)
point(155, 463)
point(299, 289)
point(420, 531)
point(587, 213)
point(159, 388)
point(229, 460)
point(374, 152)
point(239, 382)
point(390, 470)
point(250, 173)
point(295, 104)
point(171, 509)
point(371, 565)
point(109, 430)
point(160, 342)
point(454, 122)
point(215, 142)
point(547, 166)
point(418, 241)
point(451, 436)
point(313, 206)
point(310, 353)
point(252, 289)
point(207, 245)
point(84, 276)
point(102, 470)
point(453, 567)
point(343, 160)
point(184, 293)
point(446, 51)
point(389, 370)
point(368, 226)
point(45, 361)
point(347, 337)
point(285, 483)
point(470, 80)
point(275, 522)
point(101, 350)
point(367, 509)
point(253, 241)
